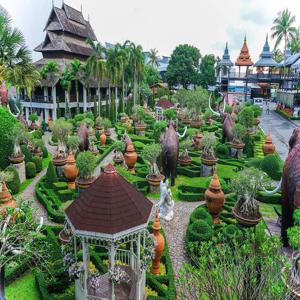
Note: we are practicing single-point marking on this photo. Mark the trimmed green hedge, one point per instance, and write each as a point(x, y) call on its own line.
point(14, 184)
point(270, 199)
point(199, 231)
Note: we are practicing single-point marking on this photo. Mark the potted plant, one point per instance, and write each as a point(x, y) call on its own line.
point(33, 118)
point(107, 125)
point(237, 145)
point(209, 142)
point(170, 114)
point(246, 185)
point(150, 153)
point(208, 117)
point(256, 113)
point(119, 148)
point(99, 123)
point(184, 158)
point(86, 163)
point(198, 140)
point(246, 118)
point(60, 131)
point(18, 134)
point(73, 143)
point(140, 114)
point(186, 117)
point(123, 118)
point(37, 146)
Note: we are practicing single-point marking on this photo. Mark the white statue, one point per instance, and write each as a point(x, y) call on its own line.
point(296, 112)
point(166, 202)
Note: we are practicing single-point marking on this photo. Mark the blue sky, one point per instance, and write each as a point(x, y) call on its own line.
point(163, 24)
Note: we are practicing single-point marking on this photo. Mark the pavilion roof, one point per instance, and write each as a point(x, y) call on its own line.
point(164, 103)
point(225, 61)
point(244, 57)
point(266, 57)
point(110, 205)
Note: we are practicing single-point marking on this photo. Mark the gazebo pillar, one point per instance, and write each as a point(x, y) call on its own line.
point(85, 256)
point(138, 255)
point(131, 256)
point(112, 266)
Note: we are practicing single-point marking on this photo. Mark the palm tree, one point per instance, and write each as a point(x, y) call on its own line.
point(294, 43)
point(136, 62)
point(114, 66)
point(75, 71)
point(278, 55)
point(153, 58)
point(283, 28)
point(96, 65)
point(66, 83)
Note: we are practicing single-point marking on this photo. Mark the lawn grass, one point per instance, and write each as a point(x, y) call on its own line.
point(267, 210)
point(23, 288)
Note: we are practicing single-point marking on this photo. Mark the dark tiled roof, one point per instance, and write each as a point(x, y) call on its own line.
point(109, 206)
point(266, 57)
point(225, 61)
point(164, 103)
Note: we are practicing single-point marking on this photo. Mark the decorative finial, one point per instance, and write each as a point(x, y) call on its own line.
point(267, 37)
point(89, 17)
point(245, 38)
point(52, 3)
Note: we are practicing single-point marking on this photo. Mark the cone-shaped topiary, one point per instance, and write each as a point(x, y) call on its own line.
point(51, 176)
point(38, 161)
point(30, 170)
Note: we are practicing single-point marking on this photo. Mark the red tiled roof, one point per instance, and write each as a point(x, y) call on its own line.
point(110, 205)
point(164, 103)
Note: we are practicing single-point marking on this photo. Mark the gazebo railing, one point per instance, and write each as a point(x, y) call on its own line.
point(127, 257)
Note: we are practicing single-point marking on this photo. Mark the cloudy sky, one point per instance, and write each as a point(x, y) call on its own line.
point(163, 24)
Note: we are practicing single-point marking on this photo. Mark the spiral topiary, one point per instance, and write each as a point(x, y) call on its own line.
point(199, 231)
point(13, 184)
point(201, 214)
point(30, 170)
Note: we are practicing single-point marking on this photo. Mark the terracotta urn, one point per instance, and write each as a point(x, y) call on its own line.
point(159, 248)
point(214, 198)
point(130, 158)
point(3, 95)
point(268, 147)
point(103, 138)
point(16, 159)
point(198, 140)
point(6, 199)
point(71, 171)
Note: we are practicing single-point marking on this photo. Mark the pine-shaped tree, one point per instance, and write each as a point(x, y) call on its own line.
point(249, 146)
point(51, 176)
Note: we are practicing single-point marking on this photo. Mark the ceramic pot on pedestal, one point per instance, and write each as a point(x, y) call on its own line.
point(130, 158)
point(208, 165)
point(196, 123)
point(159, 248)
point(214, 198)
point(16, 159)
point(237, 149)
point(71, 171)
point(103, 138)
point(154, 182)
point(268, 147)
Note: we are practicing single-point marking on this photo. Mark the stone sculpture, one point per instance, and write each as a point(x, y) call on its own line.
point(166, 202)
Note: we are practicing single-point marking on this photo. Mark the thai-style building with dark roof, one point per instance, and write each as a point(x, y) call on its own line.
point(65, 39)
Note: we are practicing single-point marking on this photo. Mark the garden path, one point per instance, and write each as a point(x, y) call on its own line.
point(175, 232)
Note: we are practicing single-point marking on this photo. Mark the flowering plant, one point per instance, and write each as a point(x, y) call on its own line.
point(149, 250)
point(94, 280)
point(73, 267)
point(117, 275)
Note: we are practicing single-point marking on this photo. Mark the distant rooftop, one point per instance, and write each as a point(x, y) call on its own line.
point(225, 61)
point(266, 57)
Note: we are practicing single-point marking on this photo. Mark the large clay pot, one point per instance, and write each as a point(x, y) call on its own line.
point(71, 171)
point(198, 140)
point(247, 222)
point(3, 95)
point(186, 121)
point(84, 183)
point(159, 248)
point(103, 138)
point(214, 198)
point(196, 123)
point(184, 160)
point(209, 162)
point(130, 157)
point(154, 182)
point(59, 161)
point(268, 147)
point(6, 199)
point(16, 159)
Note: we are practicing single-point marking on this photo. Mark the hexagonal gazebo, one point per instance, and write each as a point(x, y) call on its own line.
point(111, 212)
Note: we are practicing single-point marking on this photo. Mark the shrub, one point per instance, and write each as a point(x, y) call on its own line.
point(222, 151)
point(249, 146)
point(14, 183)
point(45, 151)
point(59, 279)
point(270, 165)
point(199, 231)
point(86, 163)
point(255, 163)
point(30, 169)
point(293, 236)
point(28, 155)
point(296, 216)
point(51, 176)
point(232, 233)
point(246, 117)
point(239, 131)
point(37, 134)
point(201, 214)
point(7, 122)
point(38, 161)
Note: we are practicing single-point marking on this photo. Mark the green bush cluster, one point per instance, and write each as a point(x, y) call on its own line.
point(222, 151)
point(27, 153)
point(199, 231)
point(51, 176)
point(14, 184)
point(296, 216)
point(249, 145)
point(201, 214)
point(30, 169)
point(38, 161)
point(271, 165)
point(232, 233)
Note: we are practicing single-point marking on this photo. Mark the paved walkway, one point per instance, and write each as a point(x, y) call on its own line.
point(280, 129)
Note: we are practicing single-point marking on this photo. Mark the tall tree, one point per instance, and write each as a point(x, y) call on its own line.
point(75, 68)
point(151, 75)
point(207, 70)
point(183, 66)
point(294, 43)
point(283, 28)
point(153, 58)
point(278, 55)
point(136, 62)
point(96, 64)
